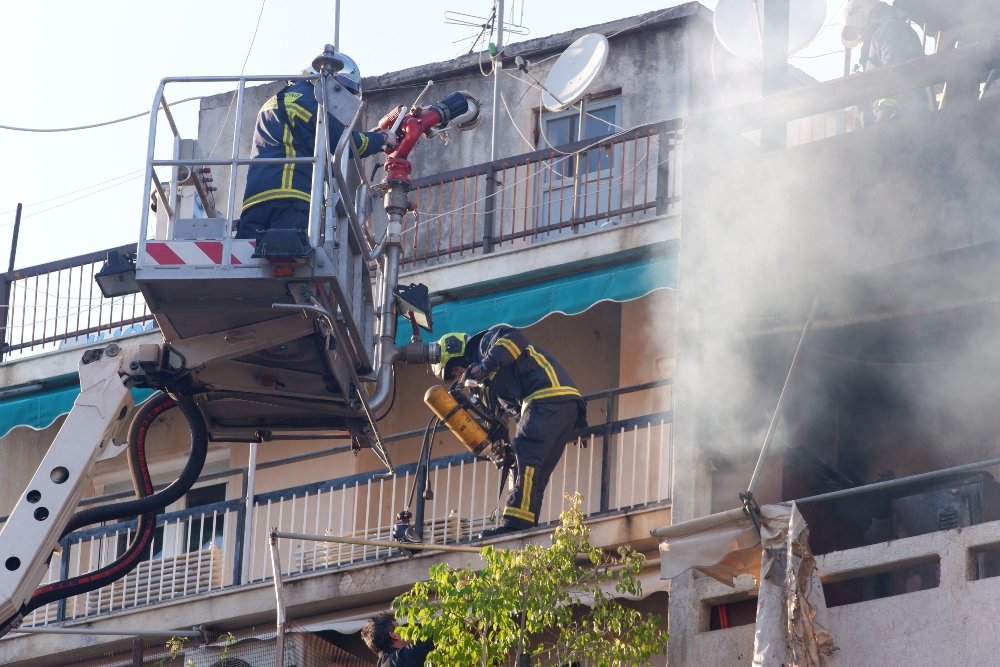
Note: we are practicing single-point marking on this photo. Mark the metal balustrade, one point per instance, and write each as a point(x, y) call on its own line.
point(541, 196)
point(532, 198)
point(191, 554)
point(617, 466)
point(51, 305)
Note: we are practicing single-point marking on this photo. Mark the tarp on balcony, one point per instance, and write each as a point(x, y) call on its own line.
point(570, 295)
point(40, 408)
point(791, 611)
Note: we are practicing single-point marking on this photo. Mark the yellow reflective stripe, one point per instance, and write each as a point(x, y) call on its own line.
point(523, 511)
point(552, 392)
point(288, 170)
point(363, 145)
point(275, 193)
point(545, 365)
point(297, 111)
point(518, 514)
point(510, 346)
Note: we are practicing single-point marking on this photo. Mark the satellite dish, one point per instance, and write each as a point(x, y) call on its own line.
point(738, 29)
point(575, 70)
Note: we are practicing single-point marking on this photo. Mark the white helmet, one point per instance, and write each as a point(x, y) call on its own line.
point(348, 75)
point(856, 15)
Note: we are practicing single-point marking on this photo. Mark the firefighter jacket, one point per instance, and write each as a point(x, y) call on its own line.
point(408, 656)
point(521, 373)
point(889, 40)
point(286, 128)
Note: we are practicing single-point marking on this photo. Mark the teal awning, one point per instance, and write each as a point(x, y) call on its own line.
point(570, 295)
point(39, 409)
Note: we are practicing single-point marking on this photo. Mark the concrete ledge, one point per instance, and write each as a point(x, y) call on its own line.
point(305, 595)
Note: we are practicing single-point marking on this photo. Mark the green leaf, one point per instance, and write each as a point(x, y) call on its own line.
point(525, 597)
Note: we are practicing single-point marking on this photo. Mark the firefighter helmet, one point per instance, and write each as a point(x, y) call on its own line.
point(349, 76)
point(856, 15)
point(453, 346)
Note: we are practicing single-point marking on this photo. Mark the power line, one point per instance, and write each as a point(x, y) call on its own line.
point(134, 175)
point(73, 192)
point(87, 127)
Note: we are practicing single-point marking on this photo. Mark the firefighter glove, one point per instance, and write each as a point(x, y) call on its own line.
point(477, 372)
point(390, 141)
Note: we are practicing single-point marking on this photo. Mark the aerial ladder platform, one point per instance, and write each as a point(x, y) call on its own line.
point(289, 334)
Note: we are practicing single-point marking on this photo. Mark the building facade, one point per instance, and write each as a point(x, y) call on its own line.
point(571, 233)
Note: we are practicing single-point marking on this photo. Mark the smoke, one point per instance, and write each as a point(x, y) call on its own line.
point(889, 229)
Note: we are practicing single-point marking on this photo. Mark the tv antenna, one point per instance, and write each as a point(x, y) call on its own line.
point(485, 24)
point(737, 26)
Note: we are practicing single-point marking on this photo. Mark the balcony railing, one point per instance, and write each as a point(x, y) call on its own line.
point(532, 198)
point(544, 195)
point(48, 306)
point(619, 465)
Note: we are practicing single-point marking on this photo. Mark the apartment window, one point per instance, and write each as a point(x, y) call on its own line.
point(197, 532)
point(205, 531)
point(578, 190)
point(599, 119)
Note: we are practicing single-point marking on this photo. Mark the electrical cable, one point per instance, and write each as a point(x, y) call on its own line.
point(72, 201)
point(131, 174)
point(423, 223)
point(232, 100)
point(87, 127)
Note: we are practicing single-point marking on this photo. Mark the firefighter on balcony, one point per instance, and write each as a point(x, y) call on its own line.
point(886, 39)
point(529, 382)
point(277, 195)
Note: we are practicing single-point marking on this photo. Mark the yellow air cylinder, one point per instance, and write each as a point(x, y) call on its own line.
point(457, 419)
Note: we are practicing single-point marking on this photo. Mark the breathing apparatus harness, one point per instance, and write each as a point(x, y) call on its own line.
point(474, 416)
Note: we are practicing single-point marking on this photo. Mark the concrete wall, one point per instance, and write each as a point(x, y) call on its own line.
point(952, 624)
point(660, 64)
point(657, 67)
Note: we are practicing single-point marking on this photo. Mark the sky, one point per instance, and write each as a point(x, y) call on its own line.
point(67, 64)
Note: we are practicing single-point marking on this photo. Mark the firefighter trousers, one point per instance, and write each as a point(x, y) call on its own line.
point(543, 430)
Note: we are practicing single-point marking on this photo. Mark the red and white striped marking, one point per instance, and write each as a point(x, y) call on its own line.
point(200, 253)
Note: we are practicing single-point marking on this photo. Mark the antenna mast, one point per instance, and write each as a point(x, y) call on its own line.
point(497, 66)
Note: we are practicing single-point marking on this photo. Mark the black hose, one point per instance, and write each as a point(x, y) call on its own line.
point(425, 455)
point(148, 503)
point(192, 470)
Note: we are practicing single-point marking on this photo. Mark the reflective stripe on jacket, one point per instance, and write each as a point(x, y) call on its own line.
point(522, 373)
point(286, 128)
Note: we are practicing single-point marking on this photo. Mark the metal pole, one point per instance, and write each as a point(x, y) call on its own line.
point(13, 240)
point(375, 543)
point(576, 161)
point(781, 398)
point(336, 25)
point(137, 649)
point(7, 284)
point(279, 640)
point(96, 632)
point(497, 67)
point(248, 518)
point(773, 18)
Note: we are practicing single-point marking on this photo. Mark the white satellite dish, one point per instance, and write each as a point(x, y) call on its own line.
point(575, 70)
point(738, 28)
